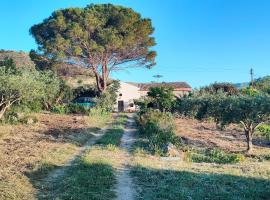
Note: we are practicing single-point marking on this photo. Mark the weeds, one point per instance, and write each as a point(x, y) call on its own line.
point(213, 156)
point(264, 130)
point(99, 117)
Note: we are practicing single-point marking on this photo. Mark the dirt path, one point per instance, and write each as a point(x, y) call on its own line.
point(124, 187)
point(55, 175)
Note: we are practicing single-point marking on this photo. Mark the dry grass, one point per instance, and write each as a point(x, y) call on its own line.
point(158, 178)
point(28, 148)
point(206, 135)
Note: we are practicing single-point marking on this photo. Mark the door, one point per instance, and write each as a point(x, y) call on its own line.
point(120, 106)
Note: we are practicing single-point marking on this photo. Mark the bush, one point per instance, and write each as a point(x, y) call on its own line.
point(264, 130)
point(214, 156)
point(59, 109)
point(158, 127)
point(71, 108)
point(99, 117)
point(106, 100)
point(77, 109)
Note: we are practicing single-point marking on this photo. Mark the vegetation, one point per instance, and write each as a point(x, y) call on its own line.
point(20, 59)
point(106, 100)
point(38, 149)
point(14, 87)
point(93, 175)
point(209, 168)
point(217, 88)
point(213, 156)
point(250, 111)
point(158, 128)
point(102, 38)
point(161, 98)
point(264, 130)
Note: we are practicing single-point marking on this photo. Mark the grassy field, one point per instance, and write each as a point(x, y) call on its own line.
point(213, 165)
point(29, 152)
point(93, 175)
point(247, 178)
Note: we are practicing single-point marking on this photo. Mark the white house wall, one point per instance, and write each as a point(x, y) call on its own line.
point(127, 93)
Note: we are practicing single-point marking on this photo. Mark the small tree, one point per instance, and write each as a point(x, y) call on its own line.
point(247, 110)
point(103, 38)
point(162, 98)
point(51, 88)
point(250, 111)
point(216, 89)
point(16, 87)
point(107, 100)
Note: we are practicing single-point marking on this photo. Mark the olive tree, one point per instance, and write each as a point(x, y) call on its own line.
point(16, 87)
point(250, 111)
point(247, 110)
point(100, 37)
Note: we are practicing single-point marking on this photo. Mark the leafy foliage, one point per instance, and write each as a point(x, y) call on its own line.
point(264, 130)
point(218, 88)
point(158, 127)
point(161, 97)
point(8, 64)
point(18, 87)
point(214, 156)
point(250, 111)
point(263, 84)
point(107, 99)
point(101, 37)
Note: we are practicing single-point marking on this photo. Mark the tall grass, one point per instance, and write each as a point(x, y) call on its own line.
point(99, 117)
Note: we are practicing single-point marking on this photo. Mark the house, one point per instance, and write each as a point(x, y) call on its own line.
point(129, 92)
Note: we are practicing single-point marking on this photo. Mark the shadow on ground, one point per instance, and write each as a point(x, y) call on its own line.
point(82, 181)
point(170, 185)
point(77, 136)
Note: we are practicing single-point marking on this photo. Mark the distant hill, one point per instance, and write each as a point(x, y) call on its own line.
point(21, 59)
point(73, 75)
point(241, 85)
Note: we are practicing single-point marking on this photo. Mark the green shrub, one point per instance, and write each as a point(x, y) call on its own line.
point(264, 130)
point(71, 108)
point(158, 127)
point(99, 117)
point(77, 109)
point(213, 156)
point(59, 109)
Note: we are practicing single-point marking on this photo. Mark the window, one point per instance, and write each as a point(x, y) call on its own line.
point(120, 95)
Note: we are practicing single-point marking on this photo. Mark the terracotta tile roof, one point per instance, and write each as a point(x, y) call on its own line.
point(174, 85)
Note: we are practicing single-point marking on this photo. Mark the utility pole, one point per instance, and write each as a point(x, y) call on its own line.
point(252, 78)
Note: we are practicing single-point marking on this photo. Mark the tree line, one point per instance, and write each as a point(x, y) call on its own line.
point(222, 103)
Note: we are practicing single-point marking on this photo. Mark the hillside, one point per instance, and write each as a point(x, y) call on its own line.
point(21, 59)
point(73, 75)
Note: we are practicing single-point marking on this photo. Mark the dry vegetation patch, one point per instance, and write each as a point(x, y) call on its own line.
point(205, 135)
point(210, 177)
point(39, 147)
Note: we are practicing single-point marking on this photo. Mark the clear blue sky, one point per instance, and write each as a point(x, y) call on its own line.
point(198, 41)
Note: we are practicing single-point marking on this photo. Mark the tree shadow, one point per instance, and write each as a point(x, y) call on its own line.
point(170, 185)
point(82, 180)
point(77, 136)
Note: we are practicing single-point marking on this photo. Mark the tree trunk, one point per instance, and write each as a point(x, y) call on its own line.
point(249, 134)
point(98, 82)
point(1, 114)
point(2, 111)
point(104, 76)
point(101, 80)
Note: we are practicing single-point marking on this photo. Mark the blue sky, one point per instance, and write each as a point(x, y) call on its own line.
point(198, 41)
